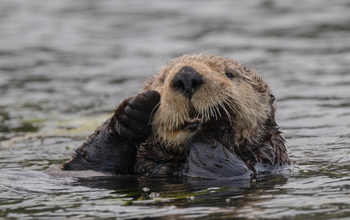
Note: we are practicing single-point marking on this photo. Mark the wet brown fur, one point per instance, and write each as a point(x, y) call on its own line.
point(237, 109)
point(245, 103)
point(247, 94)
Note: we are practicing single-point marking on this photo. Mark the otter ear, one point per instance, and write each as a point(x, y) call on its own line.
point(272, 99)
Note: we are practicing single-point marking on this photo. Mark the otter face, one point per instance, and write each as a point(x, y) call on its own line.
point(198, 89)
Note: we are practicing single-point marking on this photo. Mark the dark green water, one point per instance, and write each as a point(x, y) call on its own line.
point(64, 66)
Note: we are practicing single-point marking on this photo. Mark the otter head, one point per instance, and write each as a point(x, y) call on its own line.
point(199, 90)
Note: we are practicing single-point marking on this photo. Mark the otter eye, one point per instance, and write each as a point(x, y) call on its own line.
point(230, 75)
point(162, 79)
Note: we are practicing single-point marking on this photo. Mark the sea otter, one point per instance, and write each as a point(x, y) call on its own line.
point(200, 116)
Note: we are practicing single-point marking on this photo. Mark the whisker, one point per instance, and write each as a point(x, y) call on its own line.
point(152, 113)
point(217, 109)
point(227, 113)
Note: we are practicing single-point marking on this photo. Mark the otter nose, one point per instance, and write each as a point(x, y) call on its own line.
point(187, 81)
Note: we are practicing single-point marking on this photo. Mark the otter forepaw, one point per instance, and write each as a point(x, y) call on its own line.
point(134, 115)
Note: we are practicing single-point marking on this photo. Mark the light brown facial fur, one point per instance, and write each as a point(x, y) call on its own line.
point(227, 87)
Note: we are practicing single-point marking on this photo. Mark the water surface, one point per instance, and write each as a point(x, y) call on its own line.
point(64, 66)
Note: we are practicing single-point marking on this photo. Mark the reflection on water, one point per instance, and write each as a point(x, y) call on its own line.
point(64, 65)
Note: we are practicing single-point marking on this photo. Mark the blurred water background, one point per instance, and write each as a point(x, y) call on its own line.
point(64, 65)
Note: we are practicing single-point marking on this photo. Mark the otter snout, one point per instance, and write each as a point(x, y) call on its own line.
point(187, 81)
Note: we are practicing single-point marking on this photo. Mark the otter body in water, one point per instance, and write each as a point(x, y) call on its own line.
point(200, 116)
